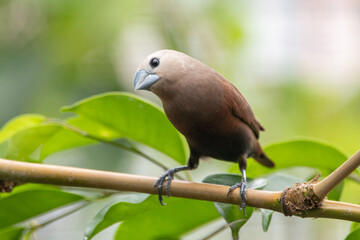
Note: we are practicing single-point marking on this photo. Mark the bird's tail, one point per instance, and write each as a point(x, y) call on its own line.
point(264, 160)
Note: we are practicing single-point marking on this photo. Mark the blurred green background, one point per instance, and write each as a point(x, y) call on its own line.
point(297, 63)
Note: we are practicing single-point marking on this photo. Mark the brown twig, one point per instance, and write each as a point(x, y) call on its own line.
point(70, 176)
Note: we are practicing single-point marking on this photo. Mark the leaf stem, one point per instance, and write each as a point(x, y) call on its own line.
point(132, 148)
point(217, 231)
point(36, 226)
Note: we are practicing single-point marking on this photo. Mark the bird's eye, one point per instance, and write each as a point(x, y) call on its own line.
point(154, 62)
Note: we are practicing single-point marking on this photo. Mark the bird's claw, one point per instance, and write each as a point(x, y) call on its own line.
point(243, 188)
point(159, 184)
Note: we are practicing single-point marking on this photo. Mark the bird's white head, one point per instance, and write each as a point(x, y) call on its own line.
point(164, 66)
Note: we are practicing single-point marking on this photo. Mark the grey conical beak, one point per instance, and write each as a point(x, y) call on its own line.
point(143, 79)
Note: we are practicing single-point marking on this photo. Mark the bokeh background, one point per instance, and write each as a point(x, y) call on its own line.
point(297, 63)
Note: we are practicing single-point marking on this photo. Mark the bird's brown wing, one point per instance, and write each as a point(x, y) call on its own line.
point(241, 108)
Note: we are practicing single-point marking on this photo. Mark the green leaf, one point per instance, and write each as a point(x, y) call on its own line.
point(306, 152)
point(127, 115)
point(28, 187)
point(19, 123)
point(23, 205)
point(14, 233)
point(266, 218)
point(33, 137)
point(234, 216)
point(13, 127)
point(93, 128)
point(177, 218)
point(24, 143)
point(120, 211)
point(3, 149)
point(354, 226)
point(61, 140)
point(231, 179)
point(280, 181)
point(354, 235)
point(335, 194)
point(37, 138)
point(170, 222)
point(309, 153)
point(64, 139)
point(300, 152)
point(231, 213)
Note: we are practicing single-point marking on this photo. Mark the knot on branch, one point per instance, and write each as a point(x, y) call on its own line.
point(7, 186)
point(300, 198)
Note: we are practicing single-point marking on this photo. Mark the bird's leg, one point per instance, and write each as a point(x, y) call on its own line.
point(169, 175)
point(242, 185)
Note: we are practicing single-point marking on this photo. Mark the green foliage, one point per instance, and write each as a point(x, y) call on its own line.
point(28, 203)
point(13, 233)
point(120, 211)
point(147, 219)
point(304, 152)
point(106, 118)
point(38, 140)
point(355, 226)
point(176, 219)
point(266, 218)
point(23, 144)
point(64, 138)
point(308, 153)
point(127, 115)
point(19, 123)
point(355, 235)
point(53, 52)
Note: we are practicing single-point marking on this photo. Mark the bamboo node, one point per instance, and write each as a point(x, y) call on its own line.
point(300, 198)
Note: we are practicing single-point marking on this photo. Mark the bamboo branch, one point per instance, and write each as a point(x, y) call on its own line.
point(322, 188)
point(70, 176)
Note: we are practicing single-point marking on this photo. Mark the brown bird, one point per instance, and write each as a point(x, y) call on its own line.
point(207, 109)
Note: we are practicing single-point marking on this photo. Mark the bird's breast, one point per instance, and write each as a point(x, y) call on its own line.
point(194, 114)
point(210, 127)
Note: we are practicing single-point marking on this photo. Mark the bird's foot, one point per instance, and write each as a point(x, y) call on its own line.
point(243, 188)
point(168, 177)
